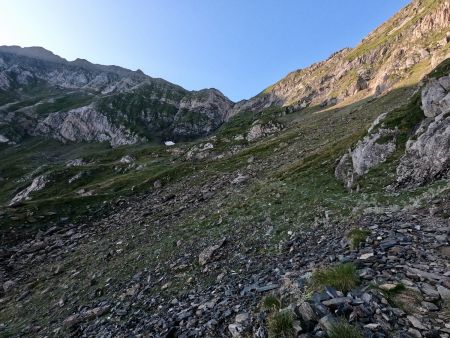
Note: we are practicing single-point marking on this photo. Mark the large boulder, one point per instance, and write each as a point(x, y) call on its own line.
point(436, 96)
point(260, 130)
point(427, 155)
point(38, 184)
point(372, 150)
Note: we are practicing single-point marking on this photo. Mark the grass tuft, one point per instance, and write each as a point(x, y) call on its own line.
point(344, 330)
point(342, 277)
point(271, 303)
point(356, 237)
point(406, 299)
point(281, 325)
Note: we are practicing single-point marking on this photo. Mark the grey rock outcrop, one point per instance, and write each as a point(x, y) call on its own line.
point(200, 113)
point(436, 96)
point(84, 124)
point(259, 130)
point(373, 150)
point(427, 155)
point(369, 152)
point(38, 183)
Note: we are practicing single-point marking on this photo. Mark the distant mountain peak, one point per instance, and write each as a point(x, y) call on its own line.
point(33, 52)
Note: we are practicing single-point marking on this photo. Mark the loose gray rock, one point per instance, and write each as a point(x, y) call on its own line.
point(207, 255)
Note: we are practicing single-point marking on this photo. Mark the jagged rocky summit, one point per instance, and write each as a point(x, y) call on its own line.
point(42, 94)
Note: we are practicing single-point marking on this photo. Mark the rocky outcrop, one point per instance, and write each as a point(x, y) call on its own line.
point(436, 96)
point(84, 124)
point(427, 155)
point(372, 150)
point(260, 130)
point(200, 113)
point(38, 183)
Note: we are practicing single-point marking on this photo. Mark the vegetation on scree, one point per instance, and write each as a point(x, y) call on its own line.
point(343, 277)
point(271, 303)
point(344, 330)
point(401, 297)
point(356, 237)
point(281, 324)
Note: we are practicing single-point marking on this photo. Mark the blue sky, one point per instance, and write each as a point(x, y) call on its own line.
point(237, 46)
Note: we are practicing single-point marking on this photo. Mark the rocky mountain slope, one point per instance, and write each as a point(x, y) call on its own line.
point(303, 220)
point(414, 41)
point(42, 94)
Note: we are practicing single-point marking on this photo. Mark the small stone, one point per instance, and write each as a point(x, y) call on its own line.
point(430, 292)
point(398, 312)
point(306, 312)
point(8, 286)
point(416, 322)
point(207, 254)
point(366, 297)
point(240, 179)
point(372, 326)
point(242, 318)
point(429, 306)
point(366, 256)
point(337, 301)
point(443, 292)
point(297, 326)
point(332, 292)
point(414, 333)
point(320, 297)
point(388, 244)
point(388, 286)
point(267, 287)
point(327, 322)
point(236, 330)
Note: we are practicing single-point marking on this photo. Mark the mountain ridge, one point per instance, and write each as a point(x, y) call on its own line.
point(373, 67)
point(370, 66)
point(153, 108)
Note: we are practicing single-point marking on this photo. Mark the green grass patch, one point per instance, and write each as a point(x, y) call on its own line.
point(344, 330)
point(402, 297)
point(342, 277)
point(281, 324)
point(442, 69)
point(356, 237)
point(271, 303)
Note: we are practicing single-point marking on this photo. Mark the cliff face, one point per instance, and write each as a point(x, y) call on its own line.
point(43, 94)
point(427, 155)
point(408, 45)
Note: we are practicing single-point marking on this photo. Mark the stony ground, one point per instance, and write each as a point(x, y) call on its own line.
point(405, 252)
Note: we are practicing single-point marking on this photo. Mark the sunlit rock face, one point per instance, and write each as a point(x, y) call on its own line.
point(83, 102)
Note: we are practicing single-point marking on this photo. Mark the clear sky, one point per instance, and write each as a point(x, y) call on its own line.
point(237, 46)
